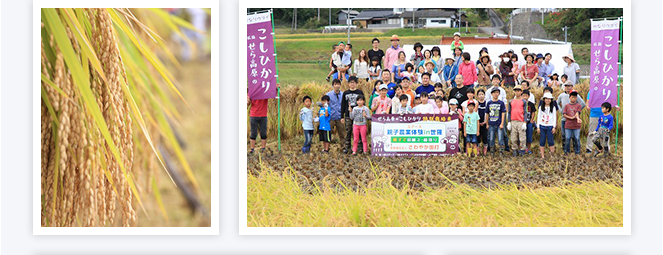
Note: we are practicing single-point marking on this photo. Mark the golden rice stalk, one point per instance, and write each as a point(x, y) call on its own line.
point(77, 188)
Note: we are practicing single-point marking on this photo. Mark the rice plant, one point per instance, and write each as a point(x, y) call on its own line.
point(105, 109)
point(276, 198)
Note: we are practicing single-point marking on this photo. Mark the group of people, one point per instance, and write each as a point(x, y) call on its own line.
point(485, 114)
point(372, 65)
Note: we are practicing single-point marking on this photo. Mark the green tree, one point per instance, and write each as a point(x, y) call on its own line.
point(578, 20)
point(283, 17)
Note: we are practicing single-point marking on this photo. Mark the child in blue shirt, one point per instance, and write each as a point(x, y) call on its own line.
point(325, 128)
point(306, 116)
point(601, 136)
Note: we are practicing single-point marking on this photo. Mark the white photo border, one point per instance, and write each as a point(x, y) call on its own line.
point(37, 229)
point(625, 103)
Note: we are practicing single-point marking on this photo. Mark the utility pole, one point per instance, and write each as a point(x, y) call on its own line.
point(292, 25)
point(294, 19)
point(348, 22)
point(566, 29)
point(413, 21)
point(511, 26)
point(459, 17)
point(318, 14)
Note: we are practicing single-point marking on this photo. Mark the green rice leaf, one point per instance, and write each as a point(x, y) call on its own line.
point(117, 21)
point(86, 48)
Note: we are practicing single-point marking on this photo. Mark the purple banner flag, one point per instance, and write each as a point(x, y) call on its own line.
point(414, 134)
point(604, 67)
point(261, 60)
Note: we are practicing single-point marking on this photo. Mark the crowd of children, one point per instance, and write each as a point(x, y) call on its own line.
point(488, 122)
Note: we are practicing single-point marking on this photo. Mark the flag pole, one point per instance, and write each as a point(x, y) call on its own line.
point(619, 72)
point(278, 90)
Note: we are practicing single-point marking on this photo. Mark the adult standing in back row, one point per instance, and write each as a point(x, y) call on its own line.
point(335, 98)
point(485, 70)
point(530, 71)
point(571, 69)
point(468, 70)
point(392, 53)
point(376, 52)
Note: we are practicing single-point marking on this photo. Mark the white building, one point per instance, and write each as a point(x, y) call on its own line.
point(402, 17)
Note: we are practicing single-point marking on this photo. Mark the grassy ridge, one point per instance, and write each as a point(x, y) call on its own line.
point(317, 46)
point(278, 201)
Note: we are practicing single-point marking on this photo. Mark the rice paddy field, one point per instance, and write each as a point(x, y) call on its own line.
point(289, 189)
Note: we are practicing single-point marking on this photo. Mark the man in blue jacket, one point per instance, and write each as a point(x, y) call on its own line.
point(335, 98)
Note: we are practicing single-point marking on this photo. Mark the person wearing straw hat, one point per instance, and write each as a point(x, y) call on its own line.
point(392, 53)
point(571, 69)
point(449, 73)
point(481, 52)
point(485, 70)
point(457, 43)
point(430, 68)
point(428, 59)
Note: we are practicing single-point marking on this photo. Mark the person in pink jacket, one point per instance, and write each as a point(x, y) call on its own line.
point(468, 70)
point(392, 53)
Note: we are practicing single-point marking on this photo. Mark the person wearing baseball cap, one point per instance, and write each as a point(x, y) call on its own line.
point(393, 51)
point(472, 131)
point(382, 103)
point(457, 43)
point(510, 52)
point(571, 69)
point(453, 109)
point(495, 115)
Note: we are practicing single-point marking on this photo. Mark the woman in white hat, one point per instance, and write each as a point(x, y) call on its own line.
point(571, 69)
point(546, 122)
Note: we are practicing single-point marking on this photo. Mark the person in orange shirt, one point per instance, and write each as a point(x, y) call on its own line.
point(405, 84)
